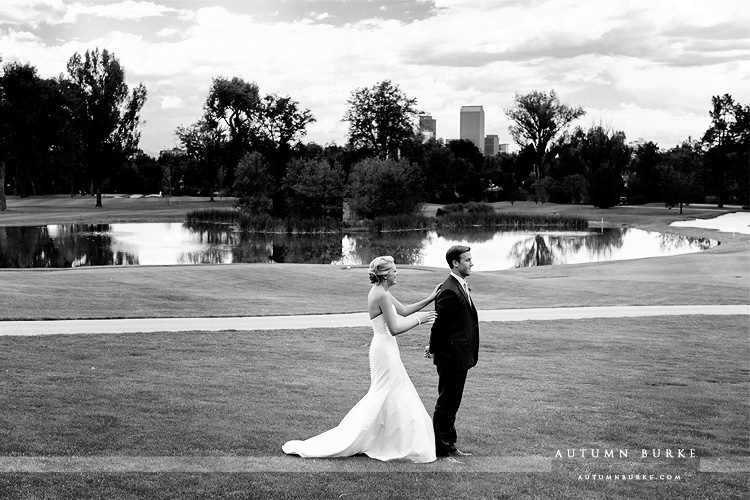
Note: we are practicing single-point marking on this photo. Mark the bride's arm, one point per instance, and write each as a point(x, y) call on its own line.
point(396, 325)
point(417, 306)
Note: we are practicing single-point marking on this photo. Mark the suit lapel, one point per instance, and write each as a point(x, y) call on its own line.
point(469, 303)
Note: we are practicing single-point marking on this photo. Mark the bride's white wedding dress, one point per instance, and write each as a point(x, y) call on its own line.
point(388, 423)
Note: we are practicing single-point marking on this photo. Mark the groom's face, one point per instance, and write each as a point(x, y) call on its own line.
point(462, 267)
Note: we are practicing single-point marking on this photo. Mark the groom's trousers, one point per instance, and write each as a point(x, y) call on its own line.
point(451, 383)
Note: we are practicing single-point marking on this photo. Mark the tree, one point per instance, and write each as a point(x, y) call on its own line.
point(253, 184)
point(508, 179)
point(643, 182)
point(238, 121)
point(678, 175)
point(3, 135)
point(538, 117)
point(33, 115)
point(281, 121)
point(318, 186)
point(204, 144)
point(543, 189)
point(231, 106)
point(106, 113)
point(606, 156)
point(466, 171)
point(150, 173)
point(173, 163)
point(437, 172)
point(576, 186)
point(380, 187)
point(727, 147)
point(381, 119)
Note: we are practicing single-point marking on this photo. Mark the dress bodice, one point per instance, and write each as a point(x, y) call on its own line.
point(379, 326)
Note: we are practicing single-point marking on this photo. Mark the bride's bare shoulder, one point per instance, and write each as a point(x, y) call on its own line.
point(377, 294)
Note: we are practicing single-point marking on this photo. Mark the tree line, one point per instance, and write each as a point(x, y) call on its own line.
point(79, 133)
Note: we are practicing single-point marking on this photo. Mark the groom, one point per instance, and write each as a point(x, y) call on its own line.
point(454, 345)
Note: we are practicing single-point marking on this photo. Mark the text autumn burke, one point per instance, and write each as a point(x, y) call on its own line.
point(623, 453)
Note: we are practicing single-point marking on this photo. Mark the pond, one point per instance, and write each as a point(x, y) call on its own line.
point(68, 245)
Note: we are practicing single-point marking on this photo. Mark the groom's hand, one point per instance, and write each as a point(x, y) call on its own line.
point(427, 352)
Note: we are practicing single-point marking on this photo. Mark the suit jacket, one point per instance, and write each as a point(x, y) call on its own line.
point(454, 338)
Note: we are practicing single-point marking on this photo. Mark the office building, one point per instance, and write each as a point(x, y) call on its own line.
point(504, 148)
point(491, 145)
point(428, 127)
point(472, 125)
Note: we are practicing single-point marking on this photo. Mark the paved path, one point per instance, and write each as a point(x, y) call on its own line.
point(150, 325)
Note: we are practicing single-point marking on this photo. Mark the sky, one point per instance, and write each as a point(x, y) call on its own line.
point(645, 67)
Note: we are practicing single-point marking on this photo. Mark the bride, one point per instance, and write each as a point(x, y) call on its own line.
point(390, 421)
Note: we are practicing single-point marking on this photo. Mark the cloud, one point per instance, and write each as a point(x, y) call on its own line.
point(126, 10)
point(170, 102)
point(31, 12)
point(617, 59)
point(167, 32)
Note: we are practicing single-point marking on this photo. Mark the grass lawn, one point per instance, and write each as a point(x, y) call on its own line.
point(540, 386)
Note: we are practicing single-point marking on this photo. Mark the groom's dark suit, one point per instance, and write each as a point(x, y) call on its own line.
point(454, 345)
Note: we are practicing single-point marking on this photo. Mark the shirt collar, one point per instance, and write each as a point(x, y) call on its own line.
point(460, 280)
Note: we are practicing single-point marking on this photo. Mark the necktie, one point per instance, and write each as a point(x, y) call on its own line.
point(466, 291)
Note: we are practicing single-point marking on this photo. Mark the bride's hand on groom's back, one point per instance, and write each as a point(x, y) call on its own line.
point(428, 317)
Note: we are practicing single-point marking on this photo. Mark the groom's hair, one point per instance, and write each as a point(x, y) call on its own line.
point(454, 253)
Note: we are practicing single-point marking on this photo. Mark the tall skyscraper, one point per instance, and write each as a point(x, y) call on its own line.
point(428, 127)
point(491, 145)
point(472, 125)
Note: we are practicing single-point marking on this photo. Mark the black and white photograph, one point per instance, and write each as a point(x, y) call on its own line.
point(367, 249)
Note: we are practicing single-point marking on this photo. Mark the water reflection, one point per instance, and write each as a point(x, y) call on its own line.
point(60, 246)
point(551, 249)
point(177, 244)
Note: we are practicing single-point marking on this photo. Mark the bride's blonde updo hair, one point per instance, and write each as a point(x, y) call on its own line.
point(379, 267)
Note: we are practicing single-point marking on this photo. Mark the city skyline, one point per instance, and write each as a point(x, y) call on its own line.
point(646, 68)
point(488, 144)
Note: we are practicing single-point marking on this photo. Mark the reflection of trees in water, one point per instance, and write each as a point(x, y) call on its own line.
point(476, 235)
point(672, 242)
point(208, 256)
point(74, 245)
point(605, 241)
point(214, 234)
point(86, 245)
point(288, 248)
point(532, 252)
point(404, 246)
point(549, 249)
point(18, 245)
